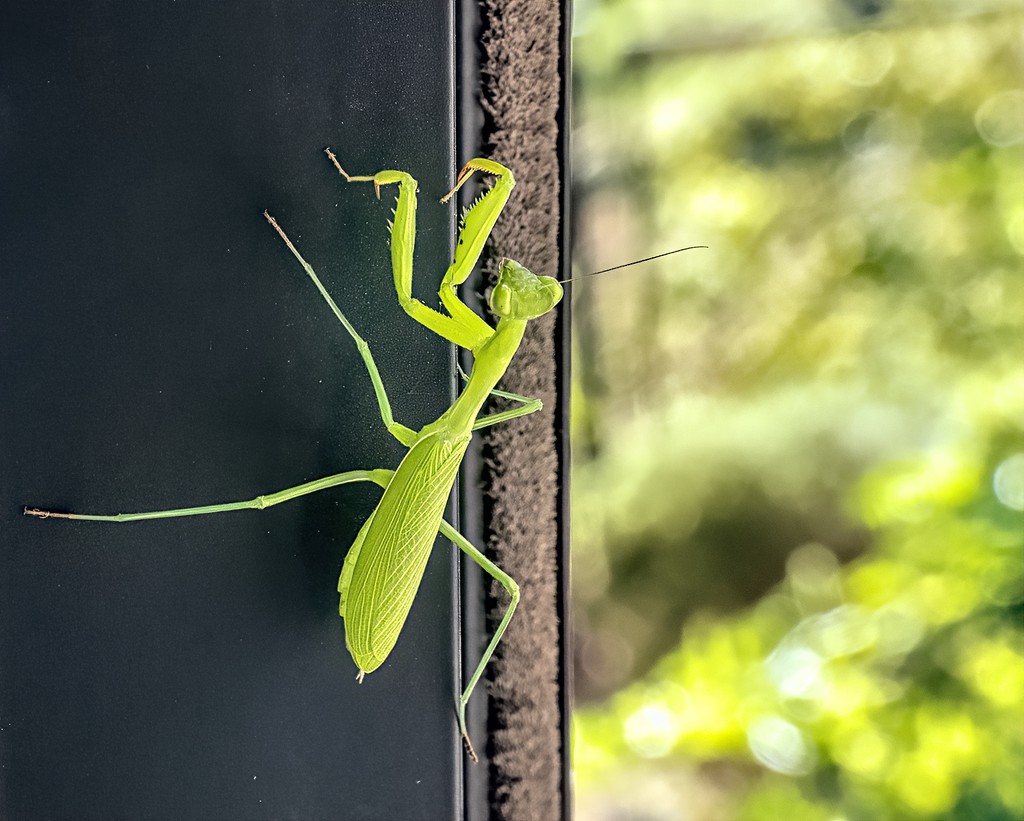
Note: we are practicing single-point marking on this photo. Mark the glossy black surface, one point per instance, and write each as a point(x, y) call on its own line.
point(159, 347)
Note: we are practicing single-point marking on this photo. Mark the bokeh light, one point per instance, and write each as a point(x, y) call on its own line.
point(798, 530)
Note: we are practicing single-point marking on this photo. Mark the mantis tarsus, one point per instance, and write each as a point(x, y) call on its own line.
point(383, 567)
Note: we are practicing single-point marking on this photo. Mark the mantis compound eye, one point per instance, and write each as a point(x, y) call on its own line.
point(501, 300)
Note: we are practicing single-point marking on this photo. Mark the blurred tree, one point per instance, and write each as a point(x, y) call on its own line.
point(797, 449)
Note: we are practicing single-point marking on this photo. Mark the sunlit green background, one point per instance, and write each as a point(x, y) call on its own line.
point(798, 567)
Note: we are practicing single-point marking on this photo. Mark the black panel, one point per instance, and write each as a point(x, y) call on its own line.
point(159, 347)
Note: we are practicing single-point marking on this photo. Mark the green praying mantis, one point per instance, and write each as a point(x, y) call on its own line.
point(384, 566)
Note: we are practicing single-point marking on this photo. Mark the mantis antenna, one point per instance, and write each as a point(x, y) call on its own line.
point(634, 262)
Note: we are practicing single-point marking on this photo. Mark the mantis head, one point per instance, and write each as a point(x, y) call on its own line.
point(521, 294)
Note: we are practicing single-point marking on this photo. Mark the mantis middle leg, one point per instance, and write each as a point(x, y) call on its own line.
point(527, 405)
point(379, 477)
point(402, 433)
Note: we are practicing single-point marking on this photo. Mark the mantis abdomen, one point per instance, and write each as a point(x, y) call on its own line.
point(382, 570)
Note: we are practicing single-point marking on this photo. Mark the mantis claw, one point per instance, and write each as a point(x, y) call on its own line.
point(465, 735)
point(46, 514)
point(337, 164)
point(487, 166)
point(351, 177)
point(469, 748)
point(463, 176)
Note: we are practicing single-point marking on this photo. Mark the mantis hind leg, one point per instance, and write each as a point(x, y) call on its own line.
point(510, 585)
point(380, 477)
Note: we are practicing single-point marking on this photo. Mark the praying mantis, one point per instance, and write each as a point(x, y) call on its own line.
point(382, 570)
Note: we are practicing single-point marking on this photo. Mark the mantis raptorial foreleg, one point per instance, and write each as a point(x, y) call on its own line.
point(463, 326)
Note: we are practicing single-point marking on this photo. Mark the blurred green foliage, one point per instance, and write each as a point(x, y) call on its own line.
point(799, 482)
